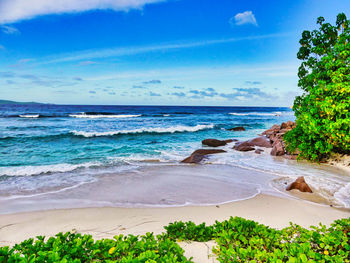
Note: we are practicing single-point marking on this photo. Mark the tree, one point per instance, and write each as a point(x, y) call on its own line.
point(323, 111)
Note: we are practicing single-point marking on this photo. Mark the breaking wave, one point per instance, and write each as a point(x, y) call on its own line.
point(31, 116)
point(174, 129)
point(256, 114)
point(98, 116)
point(43, 169)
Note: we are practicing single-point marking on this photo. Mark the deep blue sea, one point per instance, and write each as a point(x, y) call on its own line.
point(48, 149)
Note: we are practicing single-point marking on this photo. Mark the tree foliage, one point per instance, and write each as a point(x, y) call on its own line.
point(323, 111)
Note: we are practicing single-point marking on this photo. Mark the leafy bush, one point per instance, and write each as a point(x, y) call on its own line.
point(71, 247)
point(323, 111)
point(238, 240)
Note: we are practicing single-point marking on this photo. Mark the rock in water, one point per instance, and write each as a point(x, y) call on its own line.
point(200, 154)
point(259, 151)
point(261, 141)
point(274, 129)
point(243, 148)
point(277, 149)
point(214, 142)
point(300, 185)
point(240, 128)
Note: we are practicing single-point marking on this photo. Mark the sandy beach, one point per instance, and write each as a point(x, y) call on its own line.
point(106, 222)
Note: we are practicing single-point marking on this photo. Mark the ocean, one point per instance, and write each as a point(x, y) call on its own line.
point(59, 156)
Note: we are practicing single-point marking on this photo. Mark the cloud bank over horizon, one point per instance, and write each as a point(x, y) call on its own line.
point(12, 11)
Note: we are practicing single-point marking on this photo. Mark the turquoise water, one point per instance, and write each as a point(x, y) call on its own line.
point(111, 134)
point(45, 148)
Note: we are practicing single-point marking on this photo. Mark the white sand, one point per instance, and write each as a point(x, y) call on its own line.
point(107, 222)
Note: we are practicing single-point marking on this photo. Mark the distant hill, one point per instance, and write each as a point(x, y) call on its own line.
point(16, 102)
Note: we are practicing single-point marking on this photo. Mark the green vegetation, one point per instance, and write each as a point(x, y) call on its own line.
point(323, 111)
point(238, 240)
point(71, 247)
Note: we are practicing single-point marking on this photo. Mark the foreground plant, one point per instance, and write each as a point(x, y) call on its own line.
point(240, 240)
point(237, 239)
point(71, 247)
point(323, 111)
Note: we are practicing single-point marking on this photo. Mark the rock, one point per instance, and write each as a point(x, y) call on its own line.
point(244, 148)
point(239, 145)
point(208, 151)
point(240, 128)
point(284, 131)
point(275, 134)
point(291, 124)
point(277, 149)
point(214, 142)
point(261, 141)
point(200, 154)
point(276, 137)
point(300, 185)
point(288, 125)
point(274, 129)
point(284, 125)
point(259, 151)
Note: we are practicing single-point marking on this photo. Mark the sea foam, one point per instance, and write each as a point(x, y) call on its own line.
point(99, 116)
point(343, 195)
point(174, 129)
point(32, 116)
point(43, 169)
point(256, 114)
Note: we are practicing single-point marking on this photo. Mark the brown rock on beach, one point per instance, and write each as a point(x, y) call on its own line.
point(288, 125)
point(261, 141)
point(300, 185)
point(277, 149)
point(275, 134)
point(244, 148)
point(200, 154)
point(274, 129)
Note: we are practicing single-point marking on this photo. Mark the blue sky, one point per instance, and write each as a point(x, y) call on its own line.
point(155, 52)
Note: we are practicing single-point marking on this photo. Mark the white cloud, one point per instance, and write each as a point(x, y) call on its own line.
point(189, 73)
point(25, 60)
point(246, 17)
point(15, 10)
point(9, 30)
point(90, 55)
point(86, 63)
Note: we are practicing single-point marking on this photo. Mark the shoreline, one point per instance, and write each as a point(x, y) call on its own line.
point(105, 222)
point(168, 186)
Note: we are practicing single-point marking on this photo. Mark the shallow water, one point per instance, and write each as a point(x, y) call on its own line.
point(71, 156)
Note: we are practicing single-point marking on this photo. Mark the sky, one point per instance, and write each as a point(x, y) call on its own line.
point(156, 52)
